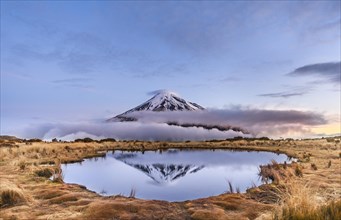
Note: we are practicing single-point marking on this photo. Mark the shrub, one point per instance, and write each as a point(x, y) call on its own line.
point(108, 140)
point(33, 140)
point(86, 140)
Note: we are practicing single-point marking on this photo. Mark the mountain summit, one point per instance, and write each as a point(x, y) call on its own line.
point(161, 102)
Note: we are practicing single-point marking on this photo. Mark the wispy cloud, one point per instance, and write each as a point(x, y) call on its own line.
point(71, 80)
point(328, 71)
point(79, 53)
point(159, 68)
point(328, 25)
point(39, 25)
point(282, 94)
point(21, 76)
point(83, 83)
point(230, 79)
point(155, 92)
point(84, 53)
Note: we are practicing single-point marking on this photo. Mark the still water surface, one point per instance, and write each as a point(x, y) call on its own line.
point(172, 175)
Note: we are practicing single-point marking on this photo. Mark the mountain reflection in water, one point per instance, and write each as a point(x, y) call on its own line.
point(173, 175)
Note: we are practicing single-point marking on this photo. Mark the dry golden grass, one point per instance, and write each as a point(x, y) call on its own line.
point(27, 192)
point(304, 202)
point(11, 194)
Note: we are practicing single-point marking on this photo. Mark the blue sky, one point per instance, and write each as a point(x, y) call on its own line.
point(75, 60)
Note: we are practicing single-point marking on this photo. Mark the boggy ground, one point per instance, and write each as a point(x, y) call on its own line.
point(306, 189)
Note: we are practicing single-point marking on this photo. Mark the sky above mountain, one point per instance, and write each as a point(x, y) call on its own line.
point(74, 61)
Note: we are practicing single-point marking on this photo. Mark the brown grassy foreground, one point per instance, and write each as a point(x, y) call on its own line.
point(310, 189)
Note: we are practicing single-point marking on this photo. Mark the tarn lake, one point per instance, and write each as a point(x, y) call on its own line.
point(171, 175)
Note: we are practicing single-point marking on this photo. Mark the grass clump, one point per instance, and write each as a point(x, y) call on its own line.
point(313, 166)
point(11, 197)
point(57, 173)
point(10, 194)
point(303, 203)
point(46, 172)
point(132, 193)
point(22, 165)
point(298, 171)
point(330, 211)
point(230, 190)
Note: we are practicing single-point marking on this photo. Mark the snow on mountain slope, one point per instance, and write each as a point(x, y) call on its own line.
point(166, 173)
point(161, 102)
point(157, 169)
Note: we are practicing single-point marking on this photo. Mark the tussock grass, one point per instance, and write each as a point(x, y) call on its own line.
point(298, 171)
point(44, 172)
point(304, 203)
point(330, 211)
point(277, 173)
point(57, 173)
point(132, 193)
point(230, 189)
point(22, 164)
point(10, 194)
point(313, 166)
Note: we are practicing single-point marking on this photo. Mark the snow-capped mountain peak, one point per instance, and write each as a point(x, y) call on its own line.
point(168, 101)
point(162, 101)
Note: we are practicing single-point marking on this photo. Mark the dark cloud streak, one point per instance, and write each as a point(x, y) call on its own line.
point(329, 71)
point(282, 94)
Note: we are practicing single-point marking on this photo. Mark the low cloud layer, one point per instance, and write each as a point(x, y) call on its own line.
point(124, 131)
point(235, 116)
point(153, 125)
point(258, 122)
point(328, 71)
